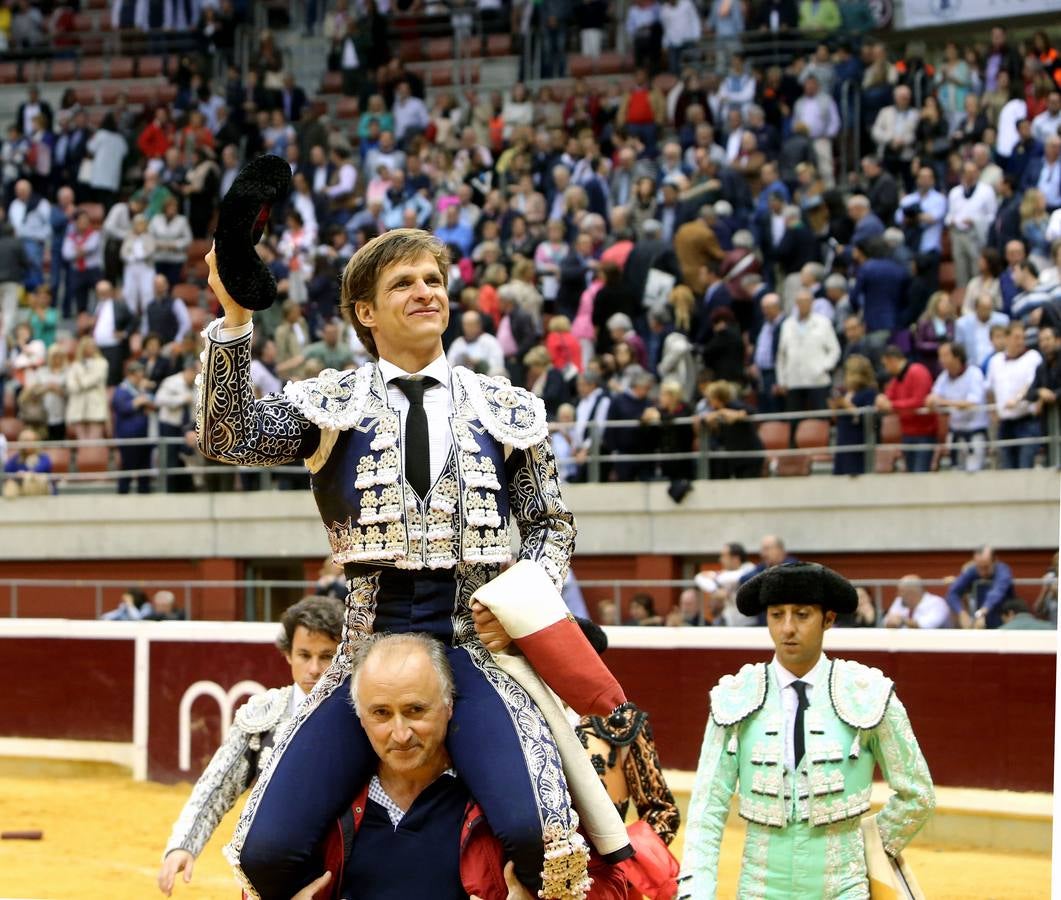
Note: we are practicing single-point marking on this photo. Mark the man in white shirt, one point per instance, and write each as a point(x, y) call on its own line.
point(1009, 375)
point(312, 629)
point(959, 391)
point(476, 349)
point(345, 175)
point(971, 208)
point(917, 608)
point(30, 216)
point(410, 114)
point(114, 322)
point(973, 329)
point(895, 131)
point(592, 406)
point(1046, 124)
point(807, 353)
point(720, 587)
point(817, 110)
point(931, 207)
point(175, 399)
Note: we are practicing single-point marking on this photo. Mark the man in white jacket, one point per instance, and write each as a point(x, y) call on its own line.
point(971, 208)
point(807, 353)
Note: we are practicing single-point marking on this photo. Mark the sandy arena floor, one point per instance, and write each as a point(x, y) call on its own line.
point(103, 835)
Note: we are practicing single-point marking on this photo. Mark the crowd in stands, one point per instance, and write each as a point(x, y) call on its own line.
point(981, 595)
point(679, 248)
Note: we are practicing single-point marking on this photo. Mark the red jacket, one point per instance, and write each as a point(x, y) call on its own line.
point(153, 141)
point(907, 392)
point(482, 859)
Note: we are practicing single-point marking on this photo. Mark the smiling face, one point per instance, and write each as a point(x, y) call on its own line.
point(404, 713)
point(797, 631)
point(411, 309)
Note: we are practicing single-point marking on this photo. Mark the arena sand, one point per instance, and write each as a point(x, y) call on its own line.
point(104, 833)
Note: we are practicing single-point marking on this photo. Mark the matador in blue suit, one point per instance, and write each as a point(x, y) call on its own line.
point(417, 469)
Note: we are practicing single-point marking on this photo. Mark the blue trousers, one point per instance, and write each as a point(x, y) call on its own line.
point(494, 732)
point(918, 460)
point(1023, 456)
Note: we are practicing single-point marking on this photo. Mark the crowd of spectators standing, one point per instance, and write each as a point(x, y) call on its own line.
point(981, 595)
point(679, 249)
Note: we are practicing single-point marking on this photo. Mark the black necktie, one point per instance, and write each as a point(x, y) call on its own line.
point(417, 443)
point(800, 687)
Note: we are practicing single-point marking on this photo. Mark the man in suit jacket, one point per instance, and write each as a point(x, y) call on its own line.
point(292, 99)
point(696, 246)
point(32, 107)
point(1044, 173)
point(1006, 226)
point(650, 252)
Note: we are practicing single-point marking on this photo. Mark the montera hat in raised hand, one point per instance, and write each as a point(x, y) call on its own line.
point(244, 215)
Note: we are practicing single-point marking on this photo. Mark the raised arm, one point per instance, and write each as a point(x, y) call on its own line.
point(232, 426)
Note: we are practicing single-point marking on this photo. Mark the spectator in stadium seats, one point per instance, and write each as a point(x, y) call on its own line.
point(905, 394)
point(666, 435)
point(156, 366)
point(201, 190)
point(157, 136)
point(806, 355)
point(138, 255)
point(720, 588)
point(163, 608)
point(544, 380)
point(175, 399)
point(107, 150)
point(921, 214)
point(86, 392)
point(914, 607)
point(173, 236)
point(867, 224)
point(43, 317)
point(643, 108)
point(859, 393)
point(83, 252)
point(1047, 382)
point(934, 327)
point(989, 268)
point(959, 390)
point(476, 349)
point(30, 467)
point(165, 315)
point(1009, 375)
point(865, 614)
point(30, 215)
point(723, 346)
point(681, 29)
point(763, 370)
point(973, 329)
point(14, 267)
point(725, 21)
point(114, 322)
point(32, 107)
point(881, 189)
point(818, 111)
point(771, 553)
point(129, 606)
point(643, 611)
point(131, 404)
point(1015, 616)
point(677, 360)
point(730, 430)
point(560, 432)
point(879, 292)
point(895, 133)
point(117, 225)
point(1044, 173)
point(329, 351)
point(454, 231)
point(411, 117)
point(976, 595)
point(629, 405)
point(42, 402)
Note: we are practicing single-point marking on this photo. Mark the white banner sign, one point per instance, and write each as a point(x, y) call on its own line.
point(926, 13)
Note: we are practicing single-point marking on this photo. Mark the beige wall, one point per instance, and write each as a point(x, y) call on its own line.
point(949, 510)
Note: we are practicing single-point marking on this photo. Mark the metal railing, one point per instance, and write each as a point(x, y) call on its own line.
point(598, 464)
point(106, 592)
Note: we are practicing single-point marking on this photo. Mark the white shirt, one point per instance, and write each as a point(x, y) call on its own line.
point(409, 113)
point(264, 381)
point(438, 405)
point(485, 350)
point(581, 435)
point(789, 699)
point(681, 24)
point(969, 386)
point(1008, 117)
point(297, 696)
point(346, 181)
point(174, 399)
point(103, 331)
point(1008, 379)
point(108, 152)
point(728, 580)
point(1045, 125)
point(931, 611)
point(978, 210)
point(1050, 183)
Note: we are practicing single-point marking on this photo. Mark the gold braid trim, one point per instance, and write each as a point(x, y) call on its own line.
point(565, 873)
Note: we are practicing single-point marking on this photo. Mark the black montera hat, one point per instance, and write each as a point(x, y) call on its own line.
point(244, 215)
point(797, 582)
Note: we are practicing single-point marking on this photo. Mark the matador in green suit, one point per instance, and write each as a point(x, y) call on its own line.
point(799, 738)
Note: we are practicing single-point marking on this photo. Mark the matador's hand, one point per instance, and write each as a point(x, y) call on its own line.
point(489, 629)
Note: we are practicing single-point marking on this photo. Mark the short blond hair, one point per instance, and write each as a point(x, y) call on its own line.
point(360, 280)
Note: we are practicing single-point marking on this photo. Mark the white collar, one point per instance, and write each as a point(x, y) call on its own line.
point(438, 369)
point(785, 677)
point(297, 696)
